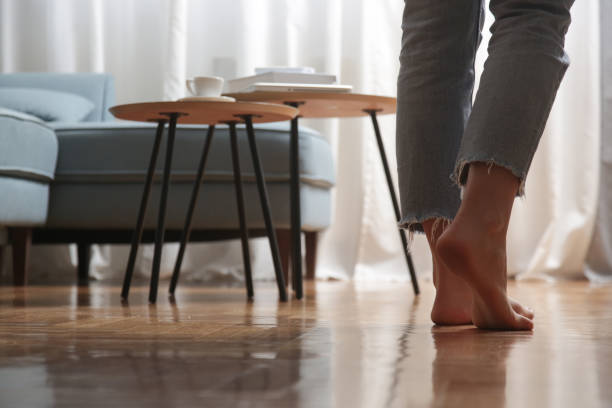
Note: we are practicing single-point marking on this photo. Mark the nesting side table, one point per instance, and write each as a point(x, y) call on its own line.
point(210, 113)
point(329, 105)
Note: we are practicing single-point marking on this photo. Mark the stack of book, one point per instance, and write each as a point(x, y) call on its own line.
point(286, 79)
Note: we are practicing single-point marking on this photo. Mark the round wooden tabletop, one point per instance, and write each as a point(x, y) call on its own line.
point(325, 104)
point(204, 112)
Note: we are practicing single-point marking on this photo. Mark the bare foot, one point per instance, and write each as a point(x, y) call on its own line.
point(481, 262)
point(474, 248)
point(453, 303)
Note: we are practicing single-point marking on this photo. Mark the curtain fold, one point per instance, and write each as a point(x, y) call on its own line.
point(174, 81)
point(151, 46)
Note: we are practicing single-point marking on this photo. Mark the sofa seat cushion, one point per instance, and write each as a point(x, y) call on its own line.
point(28, 147)
point(110, 206)
point(119, 152)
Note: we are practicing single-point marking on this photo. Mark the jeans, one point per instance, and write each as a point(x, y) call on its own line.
point(439, 131)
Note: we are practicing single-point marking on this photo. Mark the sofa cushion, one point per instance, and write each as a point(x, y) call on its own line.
point(50, 106)
point(119, 152)
point(97, 88)
point(28, 147)
point(115, 206)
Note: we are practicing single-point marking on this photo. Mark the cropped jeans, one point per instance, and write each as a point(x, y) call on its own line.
point(439, 131)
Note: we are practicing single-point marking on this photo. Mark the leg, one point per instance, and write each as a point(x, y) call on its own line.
point(192, 204)
point(22, 242)
point(137, 236)
point(265, 207)
point(311, 254)
point(284, 247)
point(244, 232)
point(84, 253)
point(161, 218)
point(525, 66)
point(296, 217)
point(434, 98)
point(383, 156)
point(434, 89)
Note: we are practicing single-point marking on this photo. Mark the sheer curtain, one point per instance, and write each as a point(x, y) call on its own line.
point(151, 46)
point(599, 258)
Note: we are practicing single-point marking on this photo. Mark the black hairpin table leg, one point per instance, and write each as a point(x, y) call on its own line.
point(161, 218)
point(244, 232)
point(383, 156)
point(192, 205)
point(265, 207)
point(137, 235)
point(296, 215)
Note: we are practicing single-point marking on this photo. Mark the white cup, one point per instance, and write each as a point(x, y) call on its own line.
point(205, 86)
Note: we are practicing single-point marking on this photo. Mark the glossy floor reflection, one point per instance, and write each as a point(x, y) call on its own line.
point(345, 346)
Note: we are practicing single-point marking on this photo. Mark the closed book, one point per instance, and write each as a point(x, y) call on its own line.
point(287, 87)
point(301, 70)
point(239, 84)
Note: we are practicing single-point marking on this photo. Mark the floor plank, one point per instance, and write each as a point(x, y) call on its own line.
point(346, 345)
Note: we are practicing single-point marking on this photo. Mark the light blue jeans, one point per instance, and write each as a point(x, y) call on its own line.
point(439, 131)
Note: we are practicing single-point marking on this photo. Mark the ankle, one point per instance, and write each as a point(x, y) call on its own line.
point(488, 197)
point(492, 182)
point(487, 219)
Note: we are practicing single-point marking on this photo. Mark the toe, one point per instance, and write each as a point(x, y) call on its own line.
point(523, 323)
point(522, 310)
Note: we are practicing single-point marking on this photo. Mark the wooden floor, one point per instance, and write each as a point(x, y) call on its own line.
point(345, 346)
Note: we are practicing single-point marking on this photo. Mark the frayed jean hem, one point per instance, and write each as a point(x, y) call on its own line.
point(414, 224)
point(460, 174)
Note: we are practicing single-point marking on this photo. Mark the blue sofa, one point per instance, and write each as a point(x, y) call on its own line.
point(28, 154)
point(101, 166)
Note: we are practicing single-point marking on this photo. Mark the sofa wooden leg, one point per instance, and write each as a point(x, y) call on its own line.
point(2, 249)
point(311, 254)
point(284, 247)
point(21, 239)
point(84, 255)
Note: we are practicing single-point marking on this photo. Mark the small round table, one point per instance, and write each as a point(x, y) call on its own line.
point(329, 105)
point(210, 113)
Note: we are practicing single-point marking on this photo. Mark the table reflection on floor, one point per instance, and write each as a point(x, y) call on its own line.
point(358, 345)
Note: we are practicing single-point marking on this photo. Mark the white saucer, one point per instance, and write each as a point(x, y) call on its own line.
point(207, 99)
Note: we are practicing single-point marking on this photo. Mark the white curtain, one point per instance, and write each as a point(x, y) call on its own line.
point(551, 229)
point(151, 46)
point(599, 258)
